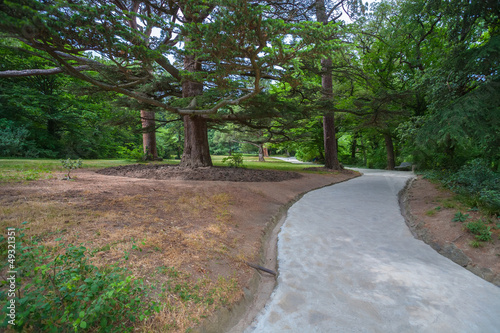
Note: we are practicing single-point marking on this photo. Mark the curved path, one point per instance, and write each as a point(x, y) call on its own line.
point(348, 263)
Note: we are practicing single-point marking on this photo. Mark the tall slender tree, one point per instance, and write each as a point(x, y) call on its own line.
point(330, 140)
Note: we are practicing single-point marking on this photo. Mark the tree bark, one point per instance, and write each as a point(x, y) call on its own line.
point(196, 150)
point(261, 153)
point(354, 147)
point(389, 146)
point(149, 135)
point(363, 149)
point(329, 137)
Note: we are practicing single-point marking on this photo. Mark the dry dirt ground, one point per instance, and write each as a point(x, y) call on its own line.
point(204, 229)
point(431, 210)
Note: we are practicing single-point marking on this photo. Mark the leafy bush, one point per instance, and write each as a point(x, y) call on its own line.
point(481, 231)
point(307, 155)
point(137, 155)
point(459, 217)
point(60, 291)
point(69, 165)
point(234, 161)
point(475, 176)
point(476, 181)
point(13, 140)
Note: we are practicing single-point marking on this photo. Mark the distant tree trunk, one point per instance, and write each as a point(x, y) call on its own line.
point(149, 135)
point(330, 144)
point(354, 147)
point(52, 128)
point(363, 149)
point(196, 150)
point(261, 153)
point(266, 152)
point(389, 146)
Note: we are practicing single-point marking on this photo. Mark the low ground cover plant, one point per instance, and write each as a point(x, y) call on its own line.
point(475, 182)
point(59, 290)
point(234, 161)
point(69, 165)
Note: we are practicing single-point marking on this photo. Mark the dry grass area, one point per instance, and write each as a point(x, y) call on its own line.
point(173, 234)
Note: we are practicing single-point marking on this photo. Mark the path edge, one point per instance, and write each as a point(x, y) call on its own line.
point(239, 316)
point(449, 250)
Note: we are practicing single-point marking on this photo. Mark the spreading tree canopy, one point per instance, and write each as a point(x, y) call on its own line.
point(191, 58)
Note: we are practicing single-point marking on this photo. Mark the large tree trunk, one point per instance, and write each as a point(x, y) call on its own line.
point(329, 138)
point(389, 146)
point(149, 135)
point(330, 143)
point(196, 150)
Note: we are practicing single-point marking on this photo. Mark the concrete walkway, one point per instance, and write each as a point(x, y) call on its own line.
point(292, 159)
point(348, 263)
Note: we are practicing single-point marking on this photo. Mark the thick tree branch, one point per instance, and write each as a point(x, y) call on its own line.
point(165, 64)
point(32, 72)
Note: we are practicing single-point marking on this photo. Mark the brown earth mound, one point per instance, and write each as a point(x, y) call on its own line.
point(162, 171)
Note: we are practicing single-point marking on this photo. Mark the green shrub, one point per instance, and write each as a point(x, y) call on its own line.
point(476, 182)
point(69, 165)
point(459, 217)
point(308, 155)
point(481, 231)
point(58, 290)
point(137, 155)
point(475, 176)
point(13, 141)
point(234, 161)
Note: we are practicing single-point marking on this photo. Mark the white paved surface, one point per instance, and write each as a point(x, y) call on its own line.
point(292, 159)
point(348, 263)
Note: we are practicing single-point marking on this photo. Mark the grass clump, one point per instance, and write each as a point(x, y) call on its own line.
point(59, 290)
point(480, 230)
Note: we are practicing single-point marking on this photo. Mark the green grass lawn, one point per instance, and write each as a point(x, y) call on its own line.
point(20, 169)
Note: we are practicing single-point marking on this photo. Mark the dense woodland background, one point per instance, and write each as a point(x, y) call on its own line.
point(392, 81)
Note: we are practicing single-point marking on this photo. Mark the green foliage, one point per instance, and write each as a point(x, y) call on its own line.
point(234, 161)
point(59, 290)
point(136, 154)
point(308, 153)
point(69, 165)
point(459, 217)
point(481, 231)
point(475, 181)
point(475, 244)
point(57, 116)
point(12, 140)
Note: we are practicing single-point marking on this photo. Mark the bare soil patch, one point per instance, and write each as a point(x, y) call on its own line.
point(430, 211)
point(321, 169)
point(206, 229)
point(162, 171)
